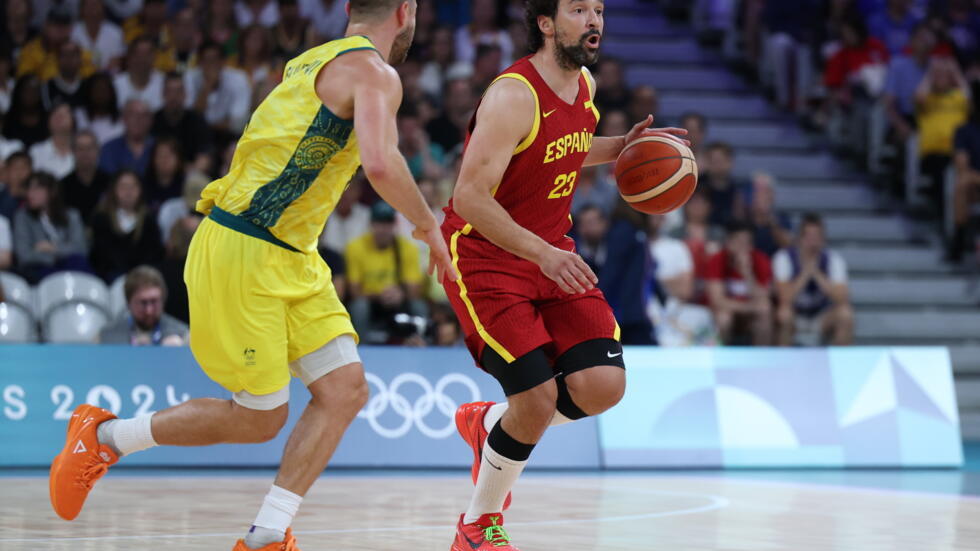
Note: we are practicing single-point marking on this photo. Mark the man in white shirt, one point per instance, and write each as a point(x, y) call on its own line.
point(221, 93)
point(140, 81)
point(672, 262)
point(811, 281)
point(103, 38)
point(669, 288)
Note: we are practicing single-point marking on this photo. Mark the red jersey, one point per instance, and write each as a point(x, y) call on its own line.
point(721, 267)
point(536, 189)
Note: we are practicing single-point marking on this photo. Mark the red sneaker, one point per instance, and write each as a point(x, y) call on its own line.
point(469, 423)
point(486, 534)
point(81, 463)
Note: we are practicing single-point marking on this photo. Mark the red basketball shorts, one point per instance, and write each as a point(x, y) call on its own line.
point(507, 303)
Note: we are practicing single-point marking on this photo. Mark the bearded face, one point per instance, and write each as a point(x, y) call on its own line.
point(403, 42)
point(574, 52)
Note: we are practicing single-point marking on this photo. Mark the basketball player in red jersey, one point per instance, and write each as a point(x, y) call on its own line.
point(532, 315)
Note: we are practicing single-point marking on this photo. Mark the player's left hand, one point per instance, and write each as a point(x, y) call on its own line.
point(642, 129)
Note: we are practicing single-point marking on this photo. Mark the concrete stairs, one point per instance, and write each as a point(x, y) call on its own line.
point(904, 294)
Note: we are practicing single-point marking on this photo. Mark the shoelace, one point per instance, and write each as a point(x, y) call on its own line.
point(92, 472)
point(496, 535)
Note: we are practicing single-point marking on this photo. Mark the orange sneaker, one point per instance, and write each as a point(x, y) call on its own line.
point(81, 463)
point(486, 534)
point(469, 423)
point(288, 544)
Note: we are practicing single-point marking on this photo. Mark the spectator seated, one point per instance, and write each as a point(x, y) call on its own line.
point(669, 288)
point(811, 283)
point(739, 279)
point(385, 281)
point(145, 324)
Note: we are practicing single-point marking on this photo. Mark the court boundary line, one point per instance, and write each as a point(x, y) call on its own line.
point(715, 503)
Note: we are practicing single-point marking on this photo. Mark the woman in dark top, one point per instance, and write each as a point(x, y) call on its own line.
point(124, 234)
point(27, 120)
point(99, 112)
point(47, 236)
point(165, 175)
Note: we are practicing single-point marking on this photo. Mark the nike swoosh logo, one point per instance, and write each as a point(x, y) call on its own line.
point(473, 544)
point(611, 355)
point(494, 466)
point(548, 114)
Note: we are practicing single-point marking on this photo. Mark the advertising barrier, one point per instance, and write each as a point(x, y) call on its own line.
point(757, 407)
point(696, 407)
point(408, 421)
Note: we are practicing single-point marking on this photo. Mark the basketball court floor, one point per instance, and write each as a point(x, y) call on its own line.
point(382, 511)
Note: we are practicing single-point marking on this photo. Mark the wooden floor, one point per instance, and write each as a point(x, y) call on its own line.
point(550, 513)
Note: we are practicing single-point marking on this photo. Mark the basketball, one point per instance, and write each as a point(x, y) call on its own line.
point(656, 174)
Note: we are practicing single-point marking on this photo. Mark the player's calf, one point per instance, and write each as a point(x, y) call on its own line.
point(245, 419)
point(530, 412)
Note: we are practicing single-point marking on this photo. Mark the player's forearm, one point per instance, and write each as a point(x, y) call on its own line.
point(394, 183)
point(605, 150)
point(486, 215)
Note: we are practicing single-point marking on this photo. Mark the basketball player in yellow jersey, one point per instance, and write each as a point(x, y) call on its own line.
point(261, 302)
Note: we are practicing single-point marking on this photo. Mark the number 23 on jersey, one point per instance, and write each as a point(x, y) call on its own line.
point(563, 186)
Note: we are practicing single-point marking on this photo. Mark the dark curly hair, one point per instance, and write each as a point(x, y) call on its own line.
point(533, 9)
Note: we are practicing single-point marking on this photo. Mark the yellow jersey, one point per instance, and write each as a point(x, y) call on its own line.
point(377, 269)
point(293, 161)
point(938, 119)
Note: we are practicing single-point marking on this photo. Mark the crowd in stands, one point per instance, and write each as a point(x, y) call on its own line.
point(116, 114)
point(895, 84)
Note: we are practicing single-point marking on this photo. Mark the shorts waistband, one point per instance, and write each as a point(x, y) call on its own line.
point(241, 225)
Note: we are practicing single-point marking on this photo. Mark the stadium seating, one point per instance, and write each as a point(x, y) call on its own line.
point(16, 324)
point(117, 298)
point(71, 288)
point(74, 322)
point(17, 291)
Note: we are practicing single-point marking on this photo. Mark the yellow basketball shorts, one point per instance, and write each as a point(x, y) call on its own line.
point(255, 307)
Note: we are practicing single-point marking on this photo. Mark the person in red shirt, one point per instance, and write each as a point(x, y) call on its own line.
point(739, 277)
point(860, 64)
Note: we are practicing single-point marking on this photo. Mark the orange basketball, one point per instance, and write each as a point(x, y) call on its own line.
point(656, 174)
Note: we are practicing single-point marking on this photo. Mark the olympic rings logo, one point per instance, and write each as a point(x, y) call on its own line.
point(432, 398)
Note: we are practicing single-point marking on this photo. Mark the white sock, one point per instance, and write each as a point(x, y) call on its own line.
point(493, 415)
point(496, 411)
point(277, 512)
point(497, 476)
point(126, 436)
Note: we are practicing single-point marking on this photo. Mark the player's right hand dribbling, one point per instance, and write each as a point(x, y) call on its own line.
point(568, 270)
